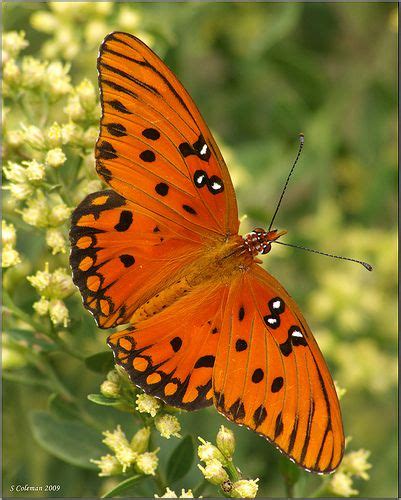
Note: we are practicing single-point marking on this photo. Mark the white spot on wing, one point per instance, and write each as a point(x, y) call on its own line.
point(272, 321)
point(296, 334)
point(276, 304)
point(203, 150)
point(216, 186)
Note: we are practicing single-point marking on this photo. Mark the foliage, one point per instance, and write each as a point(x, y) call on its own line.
point(260, 73)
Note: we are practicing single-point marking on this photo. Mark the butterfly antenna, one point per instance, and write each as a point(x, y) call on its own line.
point(364, 264)
point(301, 145)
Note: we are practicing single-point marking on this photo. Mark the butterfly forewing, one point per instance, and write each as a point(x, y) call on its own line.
point(154, 147)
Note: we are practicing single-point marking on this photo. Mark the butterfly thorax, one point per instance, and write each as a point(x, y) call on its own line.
point(217, 264)
point(259, 240)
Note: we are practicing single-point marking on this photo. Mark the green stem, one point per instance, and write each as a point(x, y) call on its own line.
point(232, 471)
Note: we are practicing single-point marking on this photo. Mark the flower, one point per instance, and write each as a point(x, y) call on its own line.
point(214, 472)
point(9, 256)
point(33, 72)
point(35, 171)
point(11, 72)
point(147, 404)
point(58, 313)
point(356, 463)
point(55, 157)
point(41, 306)
point(126, 456)
point(86, 94)
point(172, 494)
point(54, 135)
point(140, 441)
point(108, 465)
point(13, 43)
point(225, 441)
point(56, 241)
point(44, 21)
point(59, 214)
point(57, 79)
point(207, 451)
point(20, 192)
point(115, 439)
point(74, 109)
point(113, 376)
point(168, 425)
point(56, 285)
point(14, 172)
point(341, 484)
point(110, 389)
point(147, 462)
point(245, 488)
point(33, 136)
point(8, 233)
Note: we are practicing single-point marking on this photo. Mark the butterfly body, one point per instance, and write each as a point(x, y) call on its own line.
point(160, 253)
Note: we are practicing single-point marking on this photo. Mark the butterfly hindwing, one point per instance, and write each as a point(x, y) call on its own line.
point(154, 147)
point(270, 374)
point(172, 355)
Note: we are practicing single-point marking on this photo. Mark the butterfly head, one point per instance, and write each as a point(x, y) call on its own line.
point(259, 240)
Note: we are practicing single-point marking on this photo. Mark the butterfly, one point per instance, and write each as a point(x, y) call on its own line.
point(160, 253)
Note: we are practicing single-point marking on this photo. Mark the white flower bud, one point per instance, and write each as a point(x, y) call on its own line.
point(9, 256)
point(74, 109)
point(41, 280)
point(113, 376)
point(86, 94)
point(20, 191)
point(102, 8)
point(71, 133)
point(207, 451)
point(245, 488)
point(147, 463)
point(140, 441)
point(93, 31)
point(115, 439)
point(168, 425)
point(44, 22)
point(56, 241)
point(37, 212)
point(59, 214)
point(214, 472)
point(14, 172)
point(126, 456)
point(11, 72)
point(186, 494)
point(356, 463)
point(108, 465)
point(54, 136)
point(225, 441)
point(341, 485)
point(35, 171)
point(8, 233)
point(33, 136)
point(33, 72)
point(109, 389)
point(61, 284)
point(169, 494)
point(41, 306)
point(147, 404)
point(55, 157)
point(57, 79)
point(13, 43)
point(58, 313)
point(15, 137)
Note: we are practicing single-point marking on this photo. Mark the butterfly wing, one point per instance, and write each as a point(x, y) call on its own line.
point(122, 256)
point(270, 375)
point(171, 355)
point(154, 147)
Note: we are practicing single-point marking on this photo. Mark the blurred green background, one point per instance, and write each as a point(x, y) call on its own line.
point(260, 74)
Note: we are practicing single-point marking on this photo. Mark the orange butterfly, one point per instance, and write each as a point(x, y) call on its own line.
point(161, 252)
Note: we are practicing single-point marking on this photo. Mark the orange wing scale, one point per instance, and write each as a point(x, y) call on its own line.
point(161, 253)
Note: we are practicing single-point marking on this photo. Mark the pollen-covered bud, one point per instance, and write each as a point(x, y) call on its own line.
point(108, 465)
point(41, 306)
point(214, 472)
point(147, 404)
point(207, 451)
point(109, 389)
point(168, 425)
point(55, 157)
point(58, 313)
point(147, 462)
point(245, 488)
point(225, 441)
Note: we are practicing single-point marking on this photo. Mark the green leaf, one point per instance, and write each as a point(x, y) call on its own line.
point(59, 407)
point(27, 376)
point(101, 362)
point(291, 474)
point(99, 399)
point(122, 486)
point(180, 460)
point(70, 441)
point(35, 340)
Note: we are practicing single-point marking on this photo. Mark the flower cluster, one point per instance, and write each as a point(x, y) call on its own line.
point(127, 455)
point(219, 468)
point(52, 288)
point(354, 464)
point(172, 494)
point(9, 255)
